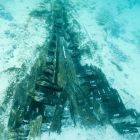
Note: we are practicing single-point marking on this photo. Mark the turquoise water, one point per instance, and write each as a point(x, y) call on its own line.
point(113, 25)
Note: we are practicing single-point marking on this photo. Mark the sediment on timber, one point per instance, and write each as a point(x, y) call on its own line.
point(61, 92)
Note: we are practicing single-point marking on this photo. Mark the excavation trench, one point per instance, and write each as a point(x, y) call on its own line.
point(65, 93)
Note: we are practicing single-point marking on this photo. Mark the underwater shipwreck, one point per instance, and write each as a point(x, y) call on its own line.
point(60, 91)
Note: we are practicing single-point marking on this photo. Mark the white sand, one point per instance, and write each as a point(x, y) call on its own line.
point(20, 39)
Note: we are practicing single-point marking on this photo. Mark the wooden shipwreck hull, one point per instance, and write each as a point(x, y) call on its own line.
point(65, 92)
